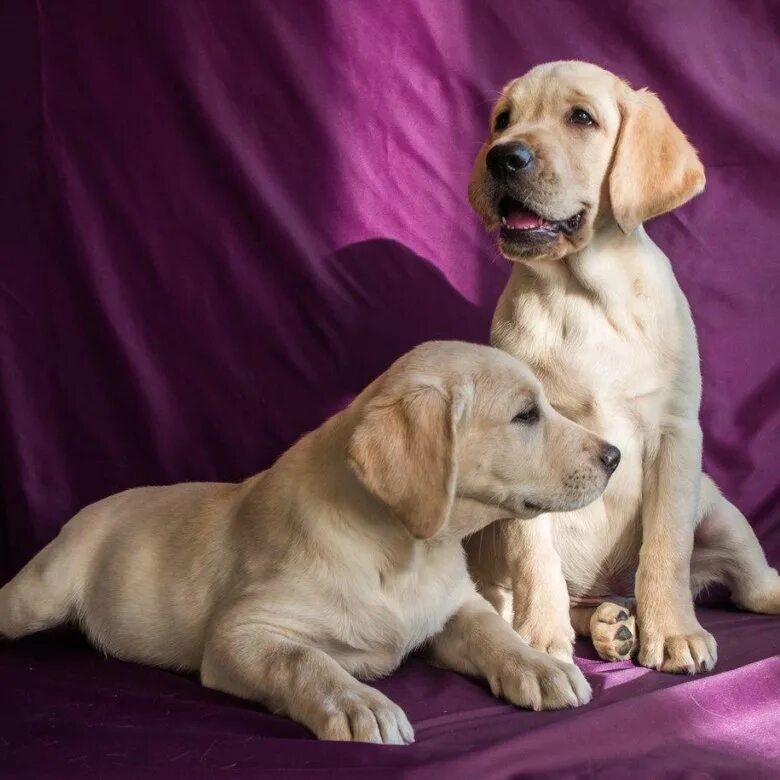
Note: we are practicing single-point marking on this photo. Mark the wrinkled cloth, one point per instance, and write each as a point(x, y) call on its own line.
point(221, 220)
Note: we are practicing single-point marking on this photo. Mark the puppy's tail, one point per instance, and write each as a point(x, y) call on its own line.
point(41, 596)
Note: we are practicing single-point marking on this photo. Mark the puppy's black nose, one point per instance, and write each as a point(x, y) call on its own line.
point(610, 457)
point(507, 159)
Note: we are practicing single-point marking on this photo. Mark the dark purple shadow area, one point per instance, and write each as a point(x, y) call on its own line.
point(389, 300)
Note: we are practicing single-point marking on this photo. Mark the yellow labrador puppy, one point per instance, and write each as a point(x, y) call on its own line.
point(341, 558)
point(575, 162)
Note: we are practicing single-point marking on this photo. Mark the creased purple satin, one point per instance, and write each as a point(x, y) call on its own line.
point(220, 220)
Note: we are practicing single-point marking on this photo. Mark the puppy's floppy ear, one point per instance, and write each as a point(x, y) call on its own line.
point(403, 451)
point(655, 168)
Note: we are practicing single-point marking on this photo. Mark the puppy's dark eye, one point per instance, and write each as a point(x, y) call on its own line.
point(579, 116)
point(528, 416)
point(502, 121)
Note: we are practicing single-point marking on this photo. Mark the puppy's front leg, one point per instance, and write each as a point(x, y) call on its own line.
point(670, 637)
point(540, 597)
point(294, 679)
point(478, 642)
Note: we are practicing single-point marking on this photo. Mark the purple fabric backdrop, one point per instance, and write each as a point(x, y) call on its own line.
point(220, 220)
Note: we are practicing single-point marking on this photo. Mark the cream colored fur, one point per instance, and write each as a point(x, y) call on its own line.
point(600, 318)
point(337, 561)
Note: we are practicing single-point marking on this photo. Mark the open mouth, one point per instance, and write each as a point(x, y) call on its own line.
point(520, 224)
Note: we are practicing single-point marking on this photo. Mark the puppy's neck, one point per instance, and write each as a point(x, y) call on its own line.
point(611, 262)
point(468, 516)
point(607, 271)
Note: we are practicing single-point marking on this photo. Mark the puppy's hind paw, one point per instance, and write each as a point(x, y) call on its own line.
point(613, 631)
point(764, 600)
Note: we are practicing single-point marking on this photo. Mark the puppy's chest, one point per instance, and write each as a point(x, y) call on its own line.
point(423, 594)
point(406, 605)
point(606, 370)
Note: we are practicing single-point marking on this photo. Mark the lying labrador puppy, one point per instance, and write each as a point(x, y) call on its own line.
point(575, 162)
point(341, 558)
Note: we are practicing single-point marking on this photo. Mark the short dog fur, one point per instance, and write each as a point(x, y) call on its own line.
point(341, 558)
point(575, 162)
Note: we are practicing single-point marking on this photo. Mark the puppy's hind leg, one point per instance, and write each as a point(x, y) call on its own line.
point(41, 595)
point(727, 551)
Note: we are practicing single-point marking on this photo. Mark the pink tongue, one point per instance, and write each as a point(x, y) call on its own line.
point(521, 219)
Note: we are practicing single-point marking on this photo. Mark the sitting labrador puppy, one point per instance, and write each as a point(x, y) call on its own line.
point(341, 558)
point(575, 162)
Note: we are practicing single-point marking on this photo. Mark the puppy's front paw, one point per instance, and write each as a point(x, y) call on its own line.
point(686, 650)
point(537, 681)
point(548, 635)
point(364, 714)
point(613, 631)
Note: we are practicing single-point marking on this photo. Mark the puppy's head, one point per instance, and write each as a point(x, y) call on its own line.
point(571, 148)
point(452, 422)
